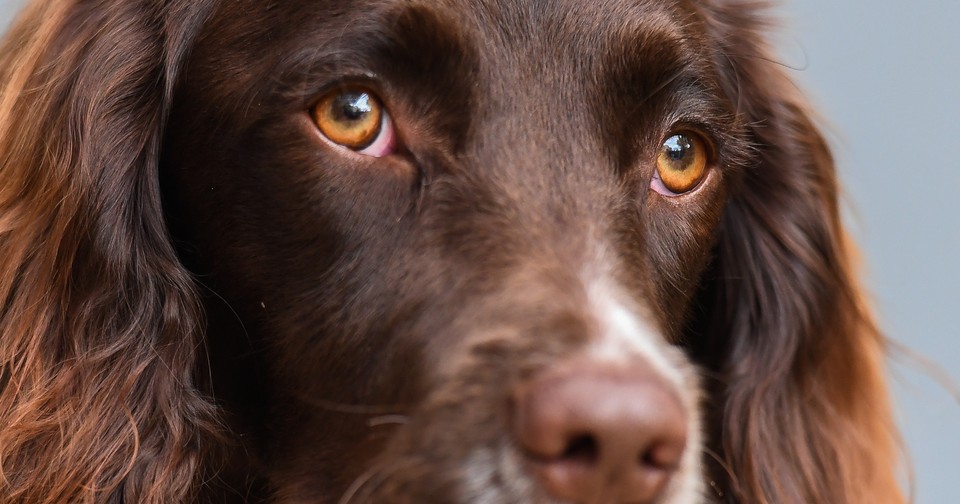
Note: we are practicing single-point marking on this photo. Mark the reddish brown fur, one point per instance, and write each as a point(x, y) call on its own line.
point(194, 298)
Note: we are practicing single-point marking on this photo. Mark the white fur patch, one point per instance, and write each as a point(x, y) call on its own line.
point(625, 335)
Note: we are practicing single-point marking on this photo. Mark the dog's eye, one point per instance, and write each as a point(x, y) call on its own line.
point(681, 163)
point(355, 119)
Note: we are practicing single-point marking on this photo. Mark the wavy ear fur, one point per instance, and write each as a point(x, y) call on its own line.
point(797, 356)
point(99, 326)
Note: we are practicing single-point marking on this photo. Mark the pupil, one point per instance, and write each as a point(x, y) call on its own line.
point(677, 147)
point(352, 107)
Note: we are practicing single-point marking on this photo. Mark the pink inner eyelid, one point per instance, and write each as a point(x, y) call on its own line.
point(385, 143)
point(658, 186)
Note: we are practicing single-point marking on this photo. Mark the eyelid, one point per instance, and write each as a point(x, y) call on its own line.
point(707, 132)
point(385, 143)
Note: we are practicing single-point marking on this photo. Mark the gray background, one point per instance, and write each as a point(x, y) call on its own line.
point(885, 75)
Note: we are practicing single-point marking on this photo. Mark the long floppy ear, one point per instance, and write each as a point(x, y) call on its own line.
point(99, 326)
point(803, 414)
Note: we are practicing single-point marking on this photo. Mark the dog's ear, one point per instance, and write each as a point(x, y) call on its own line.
point(98, 321)
point(804, 415)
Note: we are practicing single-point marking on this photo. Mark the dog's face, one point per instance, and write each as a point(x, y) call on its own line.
point(423, 223)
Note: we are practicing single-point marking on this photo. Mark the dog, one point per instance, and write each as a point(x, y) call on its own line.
point(408, 251)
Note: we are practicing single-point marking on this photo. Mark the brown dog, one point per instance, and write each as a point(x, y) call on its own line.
point(411, 251)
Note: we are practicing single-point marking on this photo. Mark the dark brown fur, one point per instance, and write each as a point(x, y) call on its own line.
point(200, 302)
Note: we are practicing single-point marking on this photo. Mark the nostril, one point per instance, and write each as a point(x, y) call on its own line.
point(583, 449)
point(664, 456)
point(593, 433)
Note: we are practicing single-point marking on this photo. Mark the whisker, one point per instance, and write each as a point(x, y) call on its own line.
point(354, 409)
point(388, 419)
point(376, 475)
point(731, 476)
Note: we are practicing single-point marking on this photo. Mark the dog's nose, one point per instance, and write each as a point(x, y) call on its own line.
point(596, 435)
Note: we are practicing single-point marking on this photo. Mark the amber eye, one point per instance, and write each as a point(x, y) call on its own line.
point(682, 162)
point(352, 118)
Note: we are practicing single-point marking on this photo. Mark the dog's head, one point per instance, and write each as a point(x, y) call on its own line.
point(459, 251)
